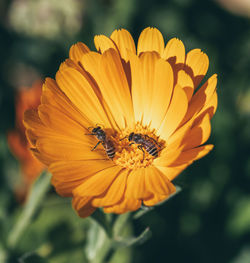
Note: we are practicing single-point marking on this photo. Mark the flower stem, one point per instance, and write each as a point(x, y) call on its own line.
point(34, 200)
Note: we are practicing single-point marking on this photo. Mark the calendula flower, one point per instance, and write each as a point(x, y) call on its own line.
point(149, 91)
point(27, 98)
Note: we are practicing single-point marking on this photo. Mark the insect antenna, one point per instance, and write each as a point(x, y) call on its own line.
point(124, 138)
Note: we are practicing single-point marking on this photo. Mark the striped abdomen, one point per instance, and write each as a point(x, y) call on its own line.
point(151, 148)
point(109, 148)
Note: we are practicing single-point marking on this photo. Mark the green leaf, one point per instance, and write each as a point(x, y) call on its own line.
point(127, 242)
point(34, 200)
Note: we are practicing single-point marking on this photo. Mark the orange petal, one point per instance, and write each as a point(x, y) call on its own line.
point(186, 82)
point(41, 157)
point(150, 39)
point(83, 206)
point(80, 92)
point(174, 50)
point(194, 154)
point(155, 199)
point(124, 206)
point(136, 188)
point(198, 134)
point(167, 156)
point(31, 120)
point(65, 149)
point(61, 123)
point(152, 85)
point(124, 42)
point(176, 139)
point(53, 96)
point(115, 89)
point(158, 81)
point(98, 183)
point(175, 114)
point(67, 175)
point(201, 98)
point(198, 62)
point(77, 51)
point(172, 172)
point(156, 182)
point(210, 107)
point(114, 193)
point(103, 43)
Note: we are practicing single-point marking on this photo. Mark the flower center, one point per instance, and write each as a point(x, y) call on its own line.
point(140, 151)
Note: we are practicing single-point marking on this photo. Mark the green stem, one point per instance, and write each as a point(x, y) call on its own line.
point(34, 200)
point(98, 243)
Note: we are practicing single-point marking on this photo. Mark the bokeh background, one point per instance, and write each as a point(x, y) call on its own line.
point(209, 221)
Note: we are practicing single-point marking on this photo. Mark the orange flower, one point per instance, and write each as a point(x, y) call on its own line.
point(30, 166)
point(151, 92)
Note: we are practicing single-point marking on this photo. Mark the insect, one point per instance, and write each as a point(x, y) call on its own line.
point(107, 143)
point(144, 142)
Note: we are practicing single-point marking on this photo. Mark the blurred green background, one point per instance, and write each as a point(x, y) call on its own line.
point(209, 221)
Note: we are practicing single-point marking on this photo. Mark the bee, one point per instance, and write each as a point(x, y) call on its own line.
point(107, 143)
point(145, 142)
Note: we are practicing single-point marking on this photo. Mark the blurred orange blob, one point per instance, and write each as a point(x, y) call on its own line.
point(27, 98)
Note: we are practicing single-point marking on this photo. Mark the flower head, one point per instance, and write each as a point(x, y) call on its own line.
point(147, 102)
point(27, 98)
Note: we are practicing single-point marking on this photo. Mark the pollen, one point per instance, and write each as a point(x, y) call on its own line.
point(129, 155)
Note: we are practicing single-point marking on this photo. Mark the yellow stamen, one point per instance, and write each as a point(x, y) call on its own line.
point(130, 156)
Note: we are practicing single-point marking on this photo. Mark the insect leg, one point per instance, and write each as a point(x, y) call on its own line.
point(96, 146)
point(141, 148)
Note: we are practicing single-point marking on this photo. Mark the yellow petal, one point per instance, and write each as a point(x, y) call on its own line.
point(64, 148)
point(176, 139)
point(174, 50)
point(152, 86)
point(80, 92)
point(83, 206)
point(198, 134)
point(103, 43)
point(41, 157)
point(210, 107)
point(194, 154)
point(201, 98)
point(136, 188)
point(150, 39)
point(114, 193)
point(172, 172)
point(159, 80)
point(91, 64)
point(115, 89)
point(186, 82)
point(98, 183)
point(198, 62)
point(31, 119)
point(156, 198)
point(124, 42)
point(60, 123)
point(175, 114)
point(67, 175)
point(76, 51)
point(61, 102)
point(168, 156)
point(124, 206)
point(156, 182)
